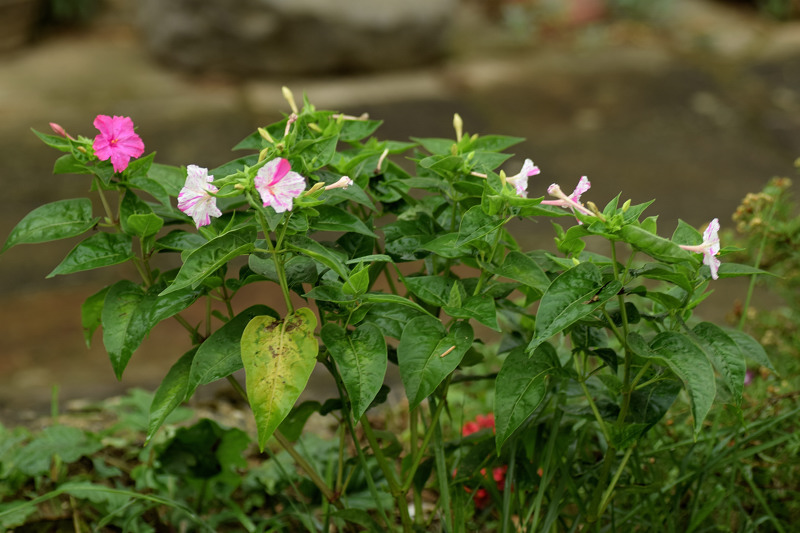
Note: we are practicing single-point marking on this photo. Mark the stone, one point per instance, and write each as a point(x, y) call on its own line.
point(250, 38)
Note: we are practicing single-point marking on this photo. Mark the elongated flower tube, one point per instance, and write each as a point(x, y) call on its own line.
point(520, 181)
point(573, 201)
point(116, 141)
point(195, 198)
point(343, 183)
point(709, 248)
point(278, 185)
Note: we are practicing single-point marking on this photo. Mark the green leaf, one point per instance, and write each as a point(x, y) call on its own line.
point(653, 245)
point(317, 153)
point(751, 348)
point(523, 268)
point(734, 270)
point(170, 177)
point(361, 358)
point(494, 143)
point(476, 224)
point(420, 355)
point(204, 261)
point(292, 425)
point(726, 356)
point(220, 355)
point(144, 225)
point(331, 259)
point(666, 273)
point(54, 141)
point(69, 443)
point(119, 308)
point(278, 358)
point(332, 218)
point(355, 130)
point(69, 164)
point(393, 299)
point(433, 290)
point(99, 250)
point(129, 313)
point(391, 318)
point(53, 221)
point(520, 387)
point(358, 283)
point(445, 246)
point(180, 240)
point(435, 145)
point(170, 394)
point(570, 297)
point(677, 352)
point(479, 307)
point(91, 312)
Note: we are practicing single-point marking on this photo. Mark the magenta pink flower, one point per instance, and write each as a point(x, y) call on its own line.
point(709, 248)
point(117, 141)
point(520, 181)
point(195, 199)
point(278, 185)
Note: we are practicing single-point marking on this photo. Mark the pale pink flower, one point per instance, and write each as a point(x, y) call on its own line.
point(195, 198)
point(583, 186)
point(278, 185)
point(573, 201)
point(343, 183)
point(520, 181)
point(116, 141)
point(709, 248)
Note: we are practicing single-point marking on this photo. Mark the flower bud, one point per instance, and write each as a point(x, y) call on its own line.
point(265, 135)
point(289, 97)
point(458, 125)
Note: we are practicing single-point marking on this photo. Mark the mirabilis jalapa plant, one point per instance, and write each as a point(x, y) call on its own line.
point(403, 267)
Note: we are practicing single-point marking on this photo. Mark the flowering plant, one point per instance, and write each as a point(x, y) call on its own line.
point(410, 265)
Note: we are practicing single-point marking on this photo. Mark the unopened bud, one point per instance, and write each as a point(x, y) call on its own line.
point(343, 183)
point(626, 205)
point(58, 129)
point(265, 135)
point(262, 155)
point(458, 125)
point(289, 97)
point(313, 126)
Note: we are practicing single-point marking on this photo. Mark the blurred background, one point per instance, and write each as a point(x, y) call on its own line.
point(692, 102)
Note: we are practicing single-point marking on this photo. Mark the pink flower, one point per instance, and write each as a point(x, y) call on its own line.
point(117, 141)
point(520, 181)
point(278, 185)
point(195, 199)
point(709, 248)
point(573, 201)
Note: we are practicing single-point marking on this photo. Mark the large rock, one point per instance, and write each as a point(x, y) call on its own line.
point(255, 37)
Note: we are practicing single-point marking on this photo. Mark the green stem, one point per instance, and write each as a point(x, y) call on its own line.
point(425, 442)
point(299, 459)
point(609, 493)
point(278, 263)
point(759, 256)
point(442, 476)
point(483, 276)
point(398, 493)
point(99, 186)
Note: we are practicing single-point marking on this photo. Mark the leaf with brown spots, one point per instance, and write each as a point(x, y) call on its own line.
point(278, 357)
